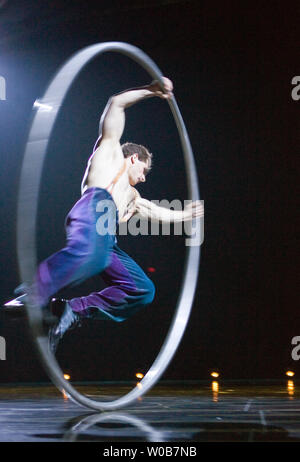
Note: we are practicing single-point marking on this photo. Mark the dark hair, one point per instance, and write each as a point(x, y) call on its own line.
point(143, 154)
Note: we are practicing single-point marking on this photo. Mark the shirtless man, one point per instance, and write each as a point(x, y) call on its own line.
point(112, 173)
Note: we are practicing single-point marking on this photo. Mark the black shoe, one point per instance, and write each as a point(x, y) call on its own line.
point(67, 319)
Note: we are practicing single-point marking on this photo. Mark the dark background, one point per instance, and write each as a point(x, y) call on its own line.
point(232, 67)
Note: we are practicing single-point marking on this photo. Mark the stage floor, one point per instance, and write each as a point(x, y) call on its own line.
point(190, 412)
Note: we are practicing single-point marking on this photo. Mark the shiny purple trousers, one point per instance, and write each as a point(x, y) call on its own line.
point(91, 248)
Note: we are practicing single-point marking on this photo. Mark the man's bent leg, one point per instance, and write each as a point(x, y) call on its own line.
point(129, 290)
point(64, 269)
point(87, 251)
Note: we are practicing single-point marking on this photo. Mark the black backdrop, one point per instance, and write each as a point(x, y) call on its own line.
point(232, 67)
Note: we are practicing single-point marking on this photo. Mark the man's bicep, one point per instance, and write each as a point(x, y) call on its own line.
point(112, 121)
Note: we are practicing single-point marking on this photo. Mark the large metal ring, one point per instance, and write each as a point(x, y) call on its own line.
point(45, 113)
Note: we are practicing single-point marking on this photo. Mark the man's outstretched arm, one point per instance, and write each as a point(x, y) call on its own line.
point(113, 118)
point(147, 209)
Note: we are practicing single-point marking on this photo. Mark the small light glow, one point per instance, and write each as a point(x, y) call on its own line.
point(67, 377)
point(151, 269)
point(290, 387)
point(215, 374)
point(215, 386)
point(290, 373)
point(44, 107)
point(215, 390)
point(139, 375)
point(139, 385)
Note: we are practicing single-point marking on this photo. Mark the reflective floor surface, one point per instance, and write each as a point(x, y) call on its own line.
point(189, 412)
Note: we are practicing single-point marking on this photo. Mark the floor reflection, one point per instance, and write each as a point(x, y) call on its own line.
point(129, 426)
point(190, 412)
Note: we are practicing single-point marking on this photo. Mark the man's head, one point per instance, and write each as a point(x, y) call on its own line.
point(139, 161)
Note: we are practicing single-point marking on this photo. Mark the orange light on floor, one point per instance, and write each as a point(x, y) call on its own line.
point(290, 387)
point(215, 390)
point(290, 373)
point(215, 386)
point(215, 374)
point(67, 377)
point(139, 375)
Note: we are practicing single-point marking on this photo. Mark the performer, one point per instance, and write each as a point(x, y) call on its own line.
point(108, 190)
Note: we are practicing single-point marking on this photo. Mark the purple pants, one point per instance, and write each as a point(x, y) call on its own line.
point(91, 248)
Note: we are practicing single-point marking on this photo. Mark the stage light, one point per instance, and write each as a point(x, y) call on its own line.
point(139, 385)
point(151, 269)
point(290, 373)
point(67, 377)
point(139, 375)
point(215, 374)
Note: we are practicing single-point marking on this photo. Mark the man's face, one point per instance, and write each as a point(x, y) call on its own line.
point(137, 170)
